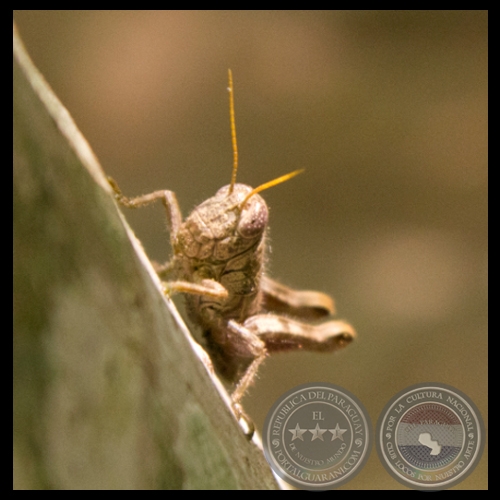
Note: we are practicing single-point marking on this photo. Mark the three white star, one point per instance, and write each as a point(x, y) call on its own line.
point(317, 433)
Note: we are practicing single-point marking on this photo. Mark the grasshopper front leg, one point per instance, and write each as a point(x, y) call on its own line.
point(168, 198)
point(209, 288)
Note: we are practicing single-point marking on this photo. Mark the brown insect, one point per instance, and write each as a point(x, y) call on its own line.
point(218, 263)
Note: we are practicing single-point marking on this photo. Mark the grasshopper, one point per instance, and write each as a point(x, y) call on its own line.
point(218, 263)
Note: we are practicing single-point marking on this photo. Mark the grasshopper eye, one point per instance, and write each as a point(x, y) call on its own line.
point(253, 218)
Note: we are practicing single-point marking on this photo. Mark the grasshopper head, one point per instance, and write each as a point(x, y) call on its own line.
point(251, 213)
point(223, 226)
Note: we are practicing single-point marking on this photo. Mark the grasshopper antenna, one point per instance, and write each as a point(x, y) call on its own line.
point(233, 131)
point(266, 185)
point(269, 184)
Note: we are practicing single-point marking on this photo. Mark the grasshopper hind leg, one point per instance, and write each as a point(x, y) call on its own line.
point(264, 334)
point(281, 334)
point(301, 304)
point(236, 354)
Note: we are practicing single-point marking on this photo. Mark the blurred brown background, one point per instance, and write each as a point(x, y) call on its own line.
point(386, 110)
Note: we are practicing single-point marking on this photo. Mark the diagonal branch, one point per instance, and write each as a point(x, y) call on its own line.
point(110, 390)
